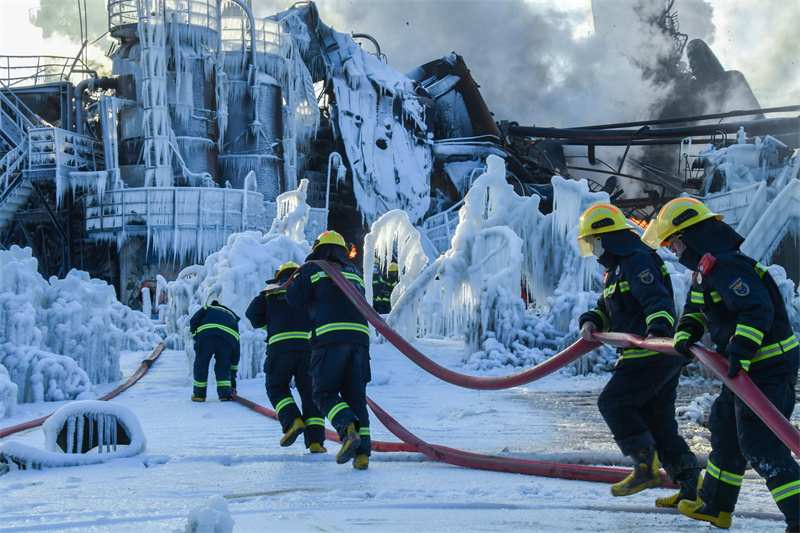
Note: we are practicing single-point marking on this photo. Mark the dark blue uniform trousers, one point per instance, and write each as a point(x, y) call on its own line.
point(340, 373)
point(279, 369)
point(223, 353)
point(738, 436)
point(638, 404)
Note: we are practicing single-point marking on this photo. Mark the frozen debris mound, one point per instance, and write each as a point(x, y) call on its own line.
point(73, 431)
point(211, 517)
point(59, 337)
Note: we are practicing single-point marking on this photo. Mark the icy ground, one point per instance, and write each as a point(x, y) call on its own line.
point(199, 450)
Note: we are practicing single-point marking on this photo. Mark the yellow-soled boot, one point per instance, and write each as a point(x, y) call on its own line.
point(688, 492)
point(295, 431)
point(316, 447)
point(198, 398)
point(350, 444)
point(645, 475)
point(361, 462)
point(700, 511)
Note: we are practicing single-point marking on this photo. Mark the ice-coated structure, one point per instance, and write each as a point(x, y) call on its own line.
point(105, 417)
point(58, 337)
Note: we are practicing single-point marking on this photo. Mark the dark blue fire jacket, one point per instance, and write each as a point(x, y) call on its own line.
point(637, 298)
point(333, 317)
point(215, 319)
point(287, 326)
point(740, 305)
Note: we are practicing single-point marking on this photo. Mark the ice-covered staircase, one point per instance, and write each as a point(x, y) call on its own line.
point(14, 188)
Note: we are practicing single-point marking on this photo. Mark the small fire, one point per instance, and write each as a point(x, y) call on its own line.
point(640, 223)
point(353, 252)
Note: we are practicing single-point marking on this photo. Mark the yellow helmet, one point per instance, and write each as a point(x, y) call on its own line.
point(676, 215)
point(329, 237)
point(392, 267)
point(599, 218)
point(286, 266)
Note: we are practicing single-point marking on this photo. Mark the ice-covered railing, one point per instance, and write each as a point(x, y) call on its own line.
point(441, 227)
point(38, 70)
point(60, 154)
point(180, 221)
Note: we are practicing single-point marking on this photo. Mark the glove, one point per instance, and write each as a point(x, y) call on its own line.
point(688, 333)
point(736, 365)
point(587, 329)
point(739, 359)
point(682, 341)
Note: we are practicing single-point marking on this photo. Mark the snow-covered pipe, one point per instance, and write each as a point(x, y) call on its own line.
point(91, 84)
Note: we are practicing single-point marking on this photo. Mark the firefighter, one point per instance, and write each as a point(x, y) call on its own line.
point(735, 300)
point(288, 356)
point(215, 330)
point(638, 402)
point(382, 289)
point(339, 338)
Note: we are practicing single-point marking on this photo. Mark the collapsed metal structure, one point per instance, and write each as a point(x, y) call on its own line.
point(209, 115)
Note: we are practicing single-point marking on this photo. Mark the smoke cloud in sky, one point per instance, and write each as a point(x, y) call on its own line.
point(541, 62)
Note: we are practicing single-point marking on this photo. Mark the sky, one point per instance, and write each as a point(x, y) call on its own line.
point(537, 62)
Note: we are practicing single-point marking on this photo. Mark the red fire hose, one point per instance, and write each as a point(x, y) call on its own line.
point(144, 367)
point(741, 384)
point(572, 353)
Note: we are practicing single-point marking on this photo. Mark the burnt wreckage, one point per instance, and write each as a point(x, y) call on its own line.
point(209, 115)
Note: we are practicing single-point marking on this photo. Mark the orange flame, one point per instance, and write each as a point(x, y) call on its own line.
point(353, 252)
point(640, 223)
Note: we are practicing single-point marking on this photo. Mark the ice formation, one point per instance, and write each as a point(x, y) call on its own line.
point(211, 517)
point(58, 337)
point(73, 417)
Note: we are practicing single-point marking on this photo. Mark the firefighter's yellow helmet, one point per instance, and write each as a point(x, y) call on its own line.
point(597, 219)
point(392, 267)
point(286, 266)
point(675, 216)
point(329, 237)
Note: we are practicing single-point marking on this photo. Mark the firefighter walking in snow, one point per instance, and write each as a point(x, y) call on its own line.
point(215, 329)
point(339, 338)
point(737, 302)
point(288, 356)
point(638, 403)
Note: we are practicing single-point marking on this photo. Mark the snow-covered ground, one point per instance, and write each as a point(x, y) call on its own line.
point(199, 451)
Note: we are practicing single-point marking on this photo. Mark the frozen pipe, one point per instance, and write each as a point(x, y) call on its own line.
point(252, 28)
point(331, 157)
point(91, 84)
point(371, 39)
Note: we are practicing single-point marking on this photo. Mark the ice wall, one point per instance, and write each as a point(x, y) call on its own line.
point(60, 337)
